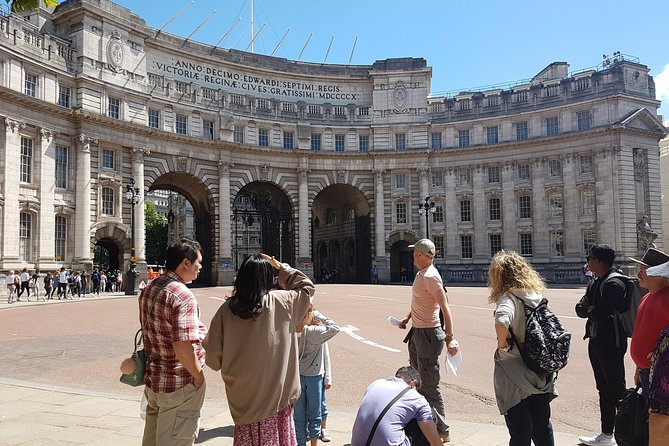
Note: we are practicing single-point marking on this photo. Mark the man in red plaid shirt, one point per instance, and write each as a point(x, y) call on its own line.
point(170, 318)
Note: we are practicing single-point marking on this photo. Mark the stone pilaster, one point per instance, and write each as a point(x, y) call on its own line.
point(82, 224)
point(225, 228)
point(140, 224)
point(303, 213)
point(479, 208)
point(508, 206)
point(10, 192)
point(570, 207)
point(424, 191)
point(47, 168)
point(379, 214)
point(541, 244)
point(452, 215)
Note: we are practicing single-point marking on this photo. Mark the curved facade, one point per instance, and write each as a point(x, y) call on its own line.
point(324, 165)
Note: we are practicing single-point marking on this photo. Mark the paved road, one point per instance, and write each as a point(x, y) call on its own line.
point(80, 345)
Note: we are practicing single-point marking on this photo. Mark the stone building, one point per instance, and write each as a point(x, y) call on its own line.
point(324, 166)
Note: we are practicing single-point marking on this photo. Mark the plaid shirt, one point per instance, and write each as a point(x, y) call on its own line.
point(169, 312)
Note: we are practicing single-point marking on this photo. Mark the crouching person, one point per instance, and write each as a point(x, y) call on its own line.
point(393, 412)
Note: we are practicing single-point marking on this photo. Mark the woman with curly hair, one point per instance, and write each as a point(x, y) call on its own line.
point(523, 396)
point(252, 340)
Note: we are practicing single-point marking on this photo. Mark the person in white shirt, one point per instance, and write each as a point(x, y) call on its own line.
point(25, 284)
point(11, 287)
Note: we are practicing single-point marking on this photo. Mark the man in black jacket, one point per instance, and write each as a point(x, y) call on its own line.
point(608, 342)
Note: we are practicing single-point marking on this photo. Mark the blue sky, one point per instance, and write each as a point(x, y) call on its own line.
point(468, 44)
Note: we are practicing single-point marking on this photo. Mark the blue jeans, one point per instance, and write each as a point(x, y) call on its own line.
point(324, 404)
point(308, 409)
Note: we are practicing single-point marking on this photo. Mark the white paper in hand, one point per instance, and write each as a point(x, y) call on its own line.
point(454, 361)
point(394, 321)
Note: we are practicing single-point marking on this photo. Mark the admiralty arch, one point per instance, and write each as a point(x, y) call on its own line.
point(325, 166)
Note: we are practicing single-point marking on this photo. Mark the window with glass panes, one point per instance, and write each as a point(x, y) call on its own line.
point(589, 239)
point(525, 206)
point(525, 240)
point(583, 120)
point(238, 134)
point(60, 237)
point(552, 127)
point(555, 204)
point(492, 135)
point(439, 246)
point(401, 213)
point(263, 137)
point(586, 164)
point(64, 96)
point(154, 118)
point(555, 168)
point(557, 243)
point(588, 203)
point(61, 166)
point(465, 210)
point(495, 242)
point(182, 124)
point(463, 138)
point(493, 174)
point(400, 181)
point(26, 167)
point(339, 143)
point(25, 236)
point(108, 159)
point(438, 214)
point(524, 172)
point(363, 143)
point(288, 140)
point(114, 108)
point(315, 142)
point(466, 247)
point(30, 84)
point(400, 141)
point(208, 130)
point(494, 208)
point(107, 201)
point(521, 131)
point(437, 178)
point(363, 111)
point(436, 140)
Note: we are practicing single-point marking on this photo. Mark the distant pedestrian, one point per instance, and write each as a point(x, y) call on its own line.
point(95, 278)
point(48, 286)
point(11, 281)
point(62, 283)
point(25, 284)
point(375, 274)
point(403, 275)
point(34, 285)
point(103, 282)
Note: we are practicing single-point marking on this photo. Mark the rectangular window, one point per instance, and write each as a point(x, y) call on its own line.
point(60, 237)
point(551, 91)
point(64, 96)
point(400, 181)
point(236, 99)
point(26, 168)
point(401, 213)
point(582, 84)
point(400, 141)
point(154, 118)
point(363, 111)
point(439, 246)
point(314, 110)
point(61, 167)
point(555, 168)
point(525, 244)
point(520, 96)
point(524, 172)
point(363, 143)
point(557, 243)
point(586, 164)
point(492, 135)
point(588, 204)
point(491, 101)
point(465, 210)
point(464, 104)
point(30, 84)
point(288, 140)
point(114, 110)
point(263, 104)
point(552, 127)
point(494, 209)
point(463, 138)
point(525, 206)
point(555, 204)
point(315, 142)
point(589, 239)
point(437, 178)
point(108, 159)
point(339, 110)
point(263, 137)
point(436, 140)
point(238, 134)
point(521, 131)
point(583, 120)
point(107, 201)
point(339, 143)
point(208, 130)
point(493, 174)
point(25, 236)
point(438, 214)
point(495, 242)
point(288, 107)
point(182, 124)
point(466, 247)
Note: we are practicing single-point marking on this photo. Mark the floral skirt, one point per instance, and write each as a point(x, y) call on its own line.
point(277, 430)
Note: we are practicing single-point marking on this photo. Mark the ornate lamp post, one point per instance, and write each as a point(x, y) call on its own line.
point(132, 195)
point(426, 208)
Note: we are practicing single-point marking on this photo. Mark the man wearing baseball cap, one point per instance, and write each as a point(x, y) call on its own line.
point(427, 335)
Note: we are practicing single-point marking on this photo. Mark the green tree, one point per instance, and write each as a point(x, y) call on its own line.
point(156, 235)
point(27, 5)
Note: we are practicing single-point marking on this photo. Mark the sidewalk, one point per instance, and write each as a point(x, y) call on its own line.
point(42, 415)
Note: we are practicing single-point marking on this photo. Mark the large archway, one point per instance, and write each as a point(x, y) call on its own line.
point(108, 255)
point(262, 221)
point(341, 235)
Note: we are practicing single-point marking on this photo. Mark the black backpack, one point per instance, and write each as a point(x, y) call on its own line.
point(546, 348)
point(633, 295)
point(631, 428)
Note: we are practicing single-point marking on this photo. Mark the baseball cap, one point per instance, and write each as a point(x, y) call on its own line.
point(425, 246)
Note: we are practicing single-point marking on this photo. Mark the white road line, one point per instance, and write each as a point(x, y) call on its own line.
point(349, 329)
point(371, 297)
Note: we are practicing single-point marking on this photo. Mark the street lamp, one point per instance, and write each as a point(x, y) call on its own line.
point(132, 195)
point(426, 208)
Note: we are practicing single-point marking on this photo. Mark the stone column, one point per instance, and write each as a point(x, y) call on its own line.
point(47, 199)
point(82, 219)
point(380, 230)
point(508, 206)
point(140, 225)
point(540, 240)
point(479, 210)
point(424, 191)
point(303, 214)
point(570, 207)
point(452, 215)
point(10, 191)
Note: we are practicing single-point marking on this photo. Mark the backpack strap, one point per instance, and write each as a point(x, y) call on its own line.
point(383, 412)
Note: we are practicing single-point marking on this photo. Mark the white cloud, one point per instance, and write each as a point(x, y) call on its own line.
point(662, 92)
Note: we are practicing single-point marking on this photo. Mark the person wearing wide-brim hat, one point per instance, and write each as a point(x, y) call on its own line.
point(652, 257)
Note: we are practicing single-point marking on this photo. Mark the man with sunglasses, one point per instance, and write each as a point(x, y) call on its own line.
point(607, 341)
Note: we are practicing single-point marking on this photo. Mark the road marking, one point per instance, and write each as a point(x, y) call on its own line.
point(371, 297)
point(349, 329)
